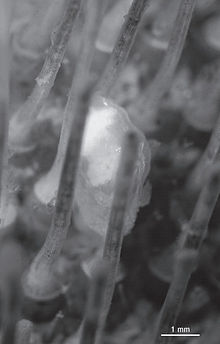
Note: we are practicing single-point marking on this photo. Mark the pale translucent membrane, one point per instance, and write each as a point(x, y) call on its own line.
point(100, 156)
point(111, 26)
point(212, 32)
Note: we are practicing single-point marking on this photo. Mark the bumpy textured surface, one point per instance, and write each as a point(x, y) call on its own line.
point(106, 127)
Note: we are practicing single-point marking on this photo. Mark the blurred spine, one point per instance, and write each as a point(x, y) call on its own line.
point(122, 46)
point(207, 160)
point(45, 189)
point(150, 101)
point(94, 305)
point(111, 25)
point(201, 111)
point(193, 235)
point(114, 237)
point(5, 16)
point(40, 282)
point(10, 288)
point(21, 124)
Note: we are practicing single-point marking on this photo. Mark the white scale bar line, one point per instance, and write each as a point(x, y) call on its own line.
point(180, 335)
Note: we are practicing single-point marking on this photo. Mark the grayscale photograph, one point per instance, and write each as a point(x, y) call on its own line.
point(109, 171)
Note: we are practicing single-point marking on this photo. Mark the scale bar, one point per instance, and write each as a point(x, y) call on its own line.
point(180, 335)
